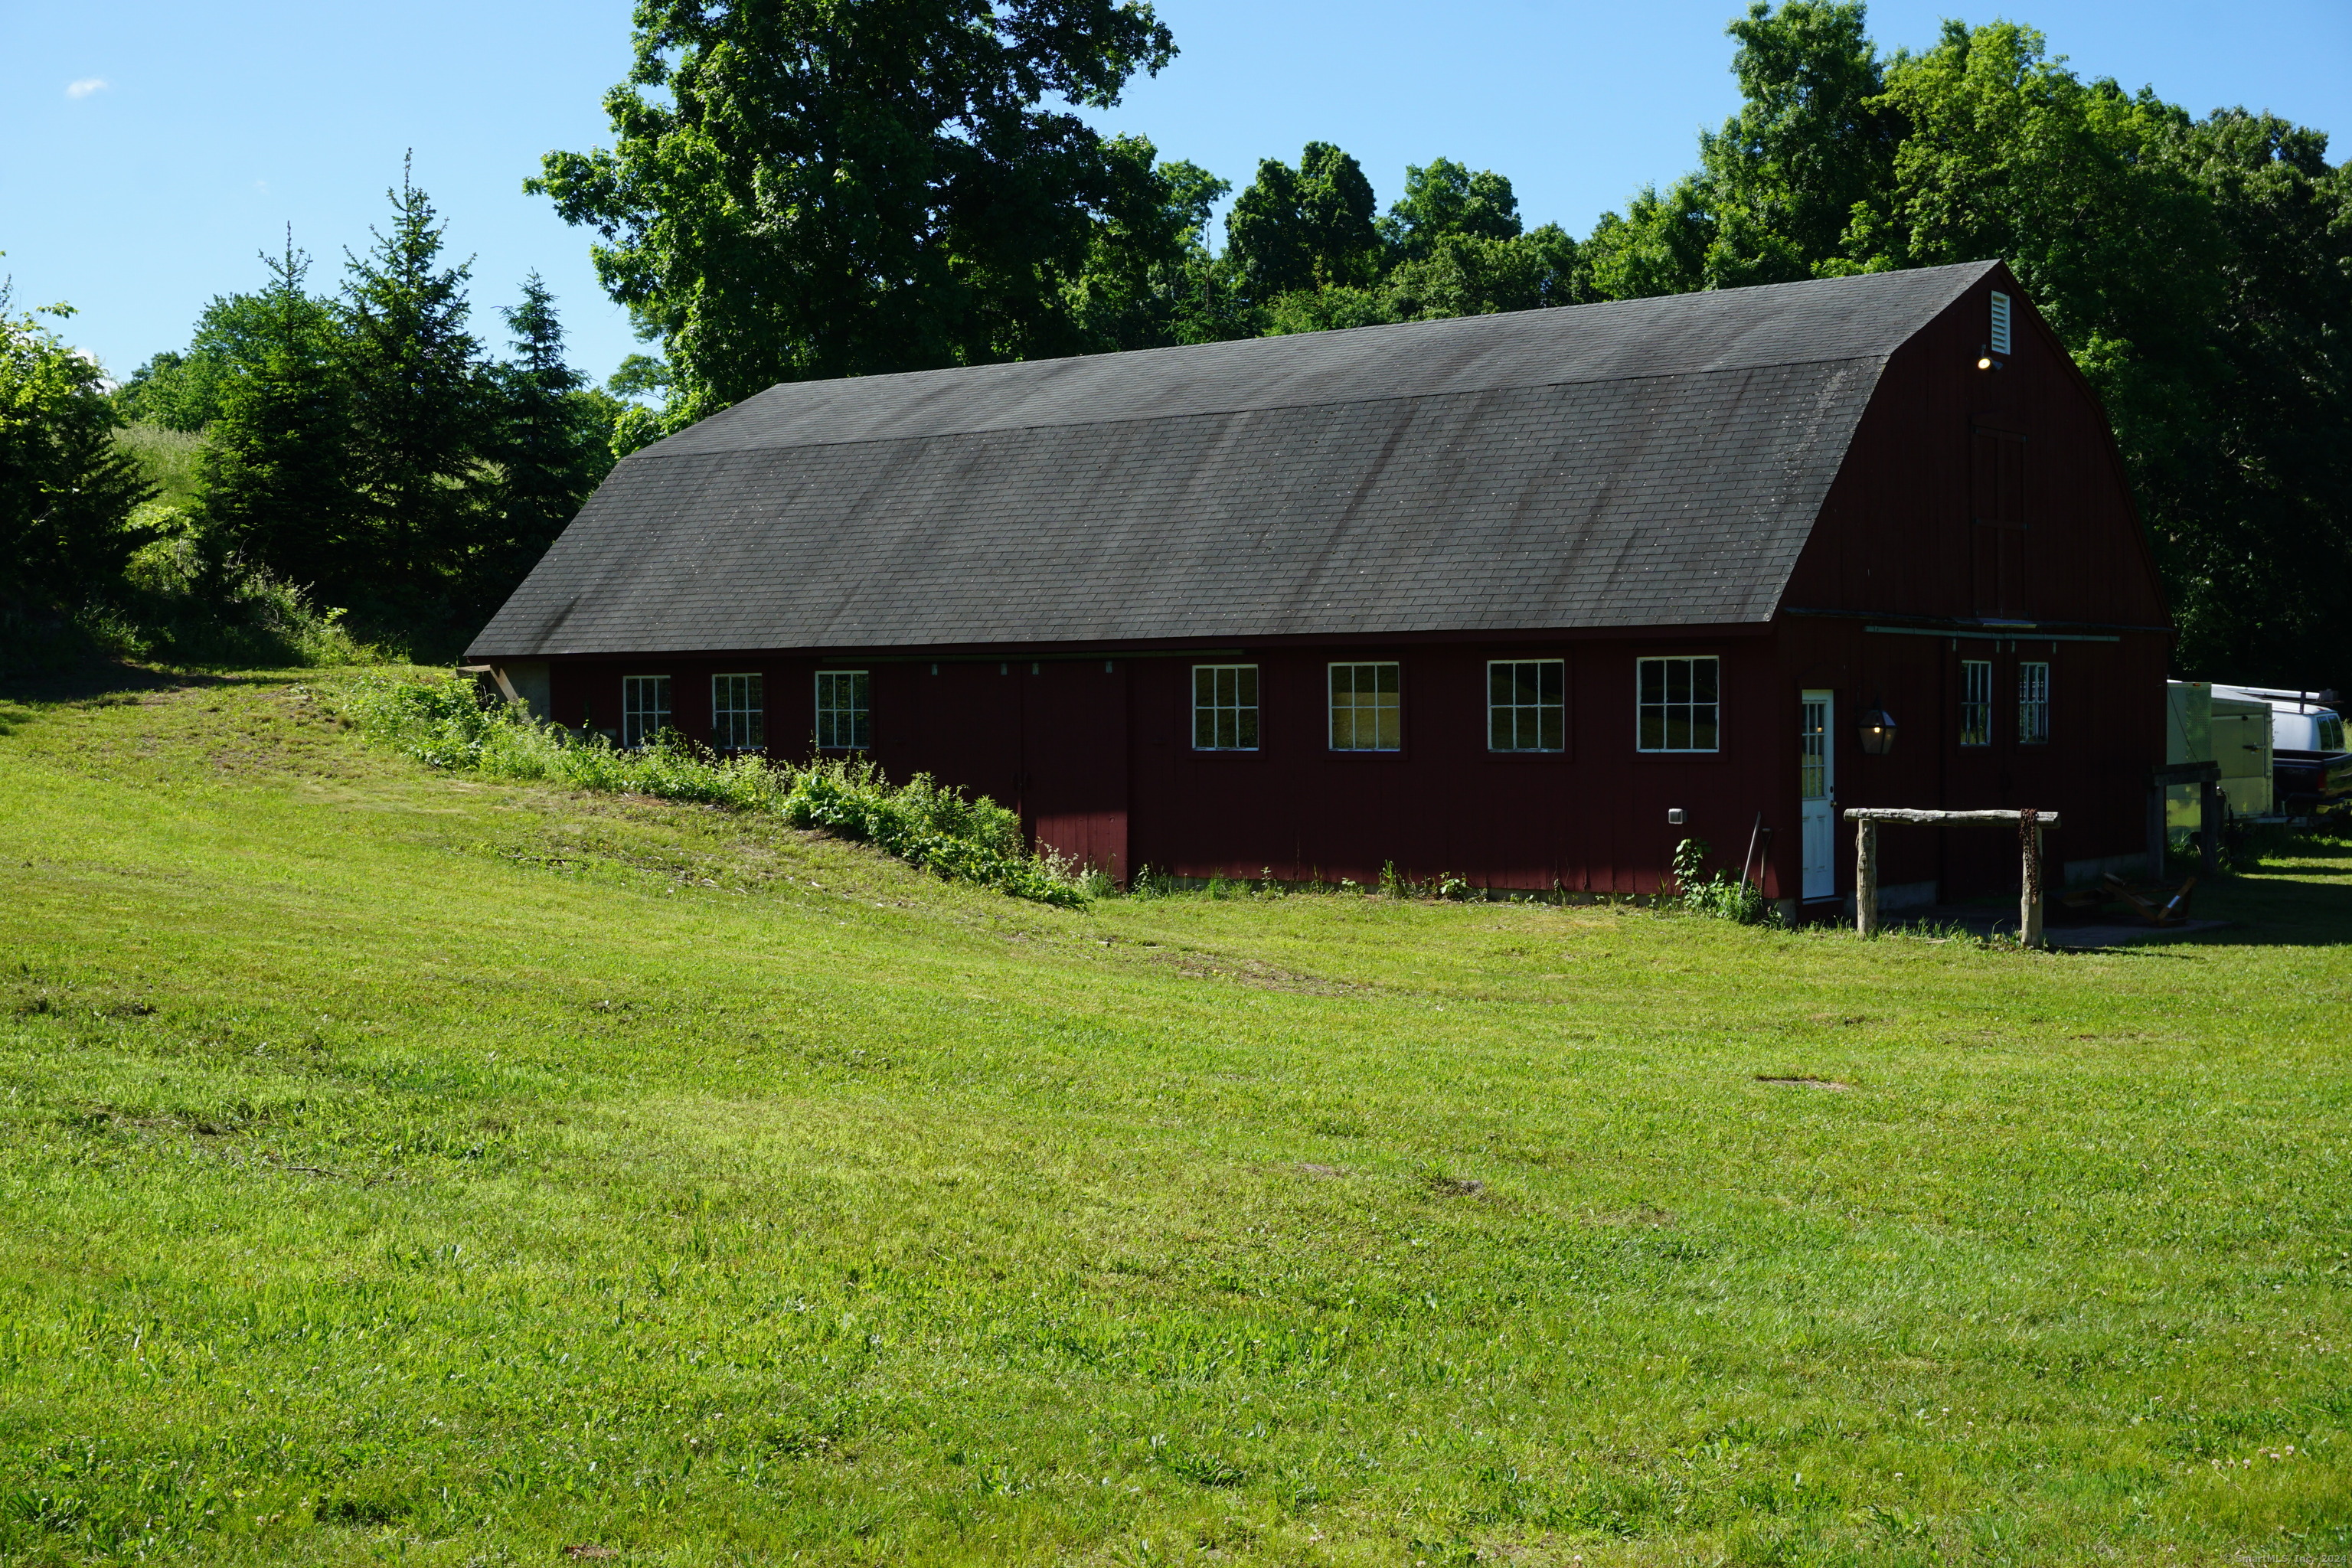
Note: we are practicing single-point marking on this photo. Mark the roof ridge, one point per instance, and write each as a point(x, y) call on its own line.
point(1977, 267)
point(653, 452)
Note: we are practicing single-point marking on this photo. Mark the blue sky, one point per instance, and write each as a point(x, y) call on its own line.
point(148, 150)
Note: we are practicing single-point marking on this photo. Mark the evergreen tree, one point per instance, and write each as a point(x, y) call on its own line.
point(66, 491)
point(553, 445)
point(275, 473)
point(185, 391)
point(421, 406)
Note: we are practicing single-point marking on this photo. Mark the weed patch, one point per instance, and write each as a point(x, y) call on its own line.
point(445, 723)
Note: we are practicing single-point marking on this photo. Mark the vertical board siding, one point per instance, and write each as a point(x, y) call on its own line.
point(1101, 768)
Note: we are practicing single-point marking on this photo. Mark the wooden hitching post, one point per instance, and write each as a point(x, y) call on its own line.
point(1866, 877)
point(2029, 896)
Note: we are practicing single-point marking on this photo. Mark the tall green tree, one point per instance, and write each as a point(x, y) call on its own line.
point(1476, 275)
point(552, 447)
point(1444, 199)
point(1150, 281)
point(2257, 533)
point(809, 188)
point(1810, 154)
point(420, 403)
point(66, 491)
point(1786, 187)
point(275, 475)
point(1305, 229)
point(185, 389)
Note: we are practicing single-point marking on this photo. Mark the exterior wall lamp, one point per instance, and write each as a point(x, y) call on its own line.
point(1877, 732)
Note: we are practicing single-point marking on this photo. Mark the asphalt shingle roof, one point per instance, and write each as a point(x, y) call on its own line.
point(1642, 462)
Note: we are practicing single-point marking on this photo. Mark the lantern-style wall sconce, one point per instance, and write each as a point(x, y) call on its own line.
point(1877, 732)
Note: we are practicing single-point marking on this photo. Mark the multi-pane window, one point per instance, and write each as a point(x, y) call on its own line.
point(1814, 750)
point(1224, 708)
point(1365, 712)
point(1527, 705)
point(1675, 704)
point(644, 708)
point(1975, 702)
point(843, 722)
point(2033, 703)
point(738, 713)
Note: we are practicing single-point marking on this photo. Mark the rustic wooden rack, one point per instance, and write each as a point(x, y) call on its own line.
point(2029, 824)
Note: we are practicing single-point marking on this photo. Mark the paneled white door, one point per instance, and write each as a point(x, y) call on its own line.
point(1817, 793)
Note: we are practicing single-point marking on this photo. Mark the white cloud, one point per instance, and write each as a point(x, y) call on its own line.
point(85, 87)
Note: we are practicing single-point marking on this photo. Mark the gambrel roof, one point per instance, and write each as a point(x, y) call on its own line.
point(1644, 462)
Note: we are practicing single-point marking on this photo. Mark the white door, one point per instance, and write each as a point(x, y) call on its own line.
point(1817, 793)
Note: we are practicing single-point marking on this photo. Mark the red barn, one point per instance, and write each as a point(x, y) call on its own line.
point(1524, 599)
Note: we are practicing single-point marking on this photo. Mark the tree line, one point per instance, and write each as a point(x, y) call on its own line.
point(800, 192)
point(360, 448)
point(793, 194)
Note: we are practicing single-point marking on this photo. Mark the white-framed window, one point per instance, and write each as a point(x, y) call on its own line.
point(1527, 705)
point(1676, 704)
point(2000, 333)
point(1366, 710)
point(2033, 703)
point(644, 708)
point(1975, 702)
point(738, 713)
point(844, 721)
point(1224, 708)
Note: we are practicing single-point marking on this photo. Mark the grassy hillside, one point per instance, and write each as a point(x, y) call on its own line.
point(404, 1166)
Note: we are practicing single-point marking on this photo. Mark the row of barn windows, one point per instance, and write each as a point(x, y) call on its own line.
point(1677, 707)
point(1526, 707)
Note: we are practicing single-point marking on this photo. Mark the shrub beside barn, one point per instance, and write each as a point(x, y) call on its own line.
point(1522, 598)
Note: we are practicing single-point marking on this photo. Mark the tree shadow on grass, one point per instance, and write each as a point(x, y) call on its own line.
point(24, 692)
point(2300, 903)
point(106, 679)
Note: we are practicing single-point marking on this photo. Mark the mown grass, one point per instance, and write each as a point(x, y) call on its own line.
point(407, 1165)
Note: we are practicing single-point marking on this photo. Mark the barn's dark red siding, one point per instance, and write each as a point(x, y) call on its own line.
point(1974, 514)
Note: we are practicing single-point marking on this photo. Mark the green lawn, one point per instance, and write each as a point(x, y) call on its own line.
point(398, 1166)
